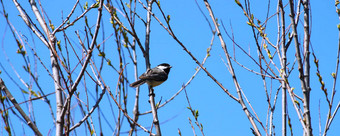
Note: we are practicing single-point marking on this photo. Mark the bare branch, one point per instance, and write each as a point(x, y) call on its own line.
point(231, 70)
point(16, 105)
point(68, 17)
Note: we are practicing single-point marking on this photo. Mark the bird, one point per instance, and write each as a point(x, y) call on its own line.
point(153, 77)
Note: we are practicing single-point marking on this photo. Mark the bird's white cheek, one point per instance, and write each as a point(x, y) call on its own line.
point(162, 67)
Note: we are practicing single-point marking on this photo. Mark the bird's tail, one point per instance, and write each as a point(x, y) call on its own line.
point(137, 83)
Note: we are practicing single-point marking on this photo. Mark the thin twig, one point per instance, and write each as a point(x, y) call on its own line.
point(87, 60)
point(16, 105)
point(231, 70)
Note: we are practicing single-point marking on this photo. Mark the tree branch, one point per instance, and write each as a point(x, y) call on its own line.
point(16, 105)
point(231, 70)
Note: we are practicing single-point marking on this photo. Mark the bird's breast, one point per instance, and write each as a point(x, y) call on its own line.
point(154, 83)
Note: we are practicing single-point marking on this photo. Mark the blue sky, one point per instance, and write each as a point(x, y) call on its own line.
point(219, 114)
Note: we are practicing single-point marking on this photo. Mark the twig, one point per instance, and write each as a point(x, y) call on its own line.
point(195, 114)
point(171, 33)
point(68, 17)
point(333, 115)
point(147, 63)
point(87, 60)
point(234, 43)
point(283, 71)
point(271, 129)
point(16, 105)
point(28, 21)
point(192, 127)
point(231, 69)
point(335, 76)
point(303, 69)
point(32, 99)
point(306, 60)
point(125, 114)
point(90, 112)
point(296, 105)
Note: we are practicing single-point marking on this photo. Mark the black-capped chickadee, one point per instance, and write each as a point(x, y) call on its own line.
point(154, 77)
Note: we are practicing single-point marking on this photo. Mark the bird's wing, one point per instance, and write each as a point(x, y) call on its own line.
point(157, 75)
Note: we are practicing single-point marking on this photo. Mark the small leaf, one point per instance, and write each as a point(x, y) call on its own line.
point(270, 56)
point(249, 23)
point(109, 63)
point(39, 94)
point(33, 93)
point(101, 54)
point(316, 61)
point(19, 51)
point(25, 68)
point(128, 5)
point(168, 18)
point(8, 129)
point(63, 63)
point(297, 102)
point(2, 98)
point(96, 5)
point(262, 28)
point(86, 20)
point(265, 46)
point(20, 45)
point(52, 27)
point(333, 75)
point(86, 5)
point(238, 3)
point(23, 91)
point(196, 114)
point(58, 44)
point(258, 22)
